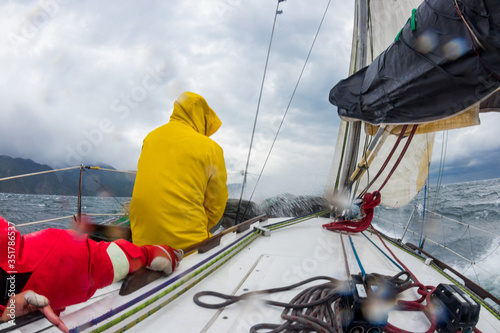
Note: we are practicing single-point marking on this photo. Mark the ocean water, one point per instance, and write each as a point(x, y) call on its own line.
point(26, 208)
point(464, 219)
point(460, 225)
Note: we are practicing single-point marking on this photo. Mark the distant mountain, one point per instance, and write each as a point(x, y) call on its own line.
point(94, 182)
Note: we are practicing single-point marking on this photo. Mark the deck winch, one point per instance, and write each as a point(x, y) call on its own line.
point(357, 311)
point(458, 311)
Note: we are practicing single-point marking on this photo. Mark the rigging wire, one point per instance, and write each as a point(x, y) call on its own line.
point(286, 110)
point(105, 189)
point(38, 173)
point(471, 248)
point(489, 254)
point(426, 194)
point(421, 242)
point(445, 247)
point(44, 221)
point(444, 145)
point(473, 257)
point(257, 111)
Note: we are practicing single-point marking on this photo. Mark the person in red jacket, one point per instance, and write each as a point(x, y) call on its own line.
point(55, 268)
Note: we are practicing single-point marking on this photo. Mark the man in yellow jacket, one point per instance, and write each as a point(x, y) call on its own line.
point(180, 190)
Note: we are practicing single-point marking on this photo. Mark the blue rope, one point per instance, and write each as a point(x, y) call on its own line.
point(357, 258)
point(385, 254)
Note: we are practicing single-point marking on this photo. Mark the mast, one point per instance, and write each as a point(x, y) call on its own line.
point(358, 61)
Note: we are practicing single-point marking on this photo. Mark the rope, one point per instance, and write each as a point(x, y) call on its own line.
point(400, 137)
point(370, 201)
point(473, 38)
point(424, 291)
point(385, 254)
point(310, 310)
point(38, 173)
point(401, 155)
point(363, 273)
point(316, 309)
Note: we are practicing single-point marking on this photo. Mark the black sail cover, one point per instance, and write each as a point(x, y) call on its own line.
point(431, 72)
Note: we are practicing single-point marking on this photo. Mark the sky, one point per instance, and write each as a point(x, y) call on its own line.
point(86, 81)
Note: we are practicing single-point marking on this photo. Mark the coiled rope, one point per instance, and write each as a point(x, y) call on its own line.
point(317, 308)
point(309, 310)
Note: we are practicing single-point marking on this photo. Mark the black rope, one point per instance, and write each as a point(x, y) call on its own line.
point(310, 310)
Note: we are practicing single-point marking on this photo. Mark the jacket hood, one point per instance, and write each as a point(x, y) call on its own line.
point(193, 110)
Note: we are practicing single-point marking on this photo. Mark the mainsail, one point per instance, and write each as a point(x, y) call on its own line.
point(434, 65)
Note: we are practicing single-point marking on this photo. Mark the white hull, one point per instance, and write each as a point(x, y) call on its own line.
point(289, 255)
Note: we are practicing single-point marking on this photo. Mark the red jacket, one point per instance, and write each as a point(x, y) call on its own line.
point(65, 266)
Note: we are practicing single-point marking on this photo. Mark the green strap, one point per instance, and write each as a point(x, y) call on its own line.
point(413, 24)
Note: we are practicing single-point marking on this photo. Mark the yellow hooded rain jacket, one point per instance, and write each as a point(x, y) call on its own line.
point(180, 190)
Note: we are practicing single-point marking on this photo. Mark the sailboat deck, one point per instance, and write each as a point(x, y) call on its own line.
point(289, 255)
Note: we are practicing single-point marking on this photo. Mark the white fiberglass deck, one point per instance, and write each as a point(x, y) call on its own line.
point(289, 255)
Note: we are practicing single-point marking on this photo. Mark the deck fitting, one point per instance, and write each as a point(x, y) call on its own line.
point(265, 232)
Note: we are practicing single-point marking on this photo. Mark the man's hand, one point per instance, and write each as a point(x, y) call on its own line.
point(29, 301)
